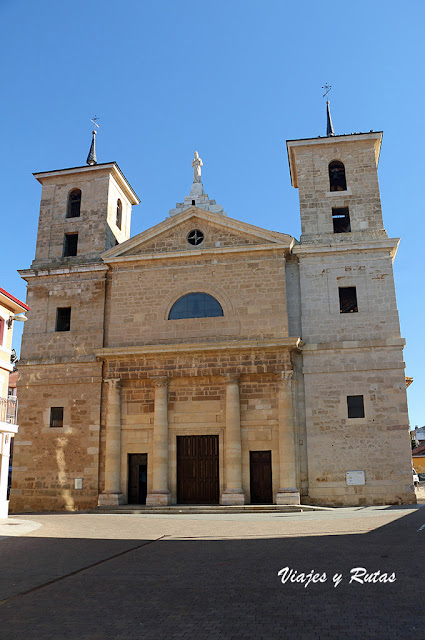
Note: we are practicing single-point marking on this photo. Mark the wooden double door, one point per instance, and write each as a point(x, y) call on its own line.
point(197, 470)
point(260, 467)
point(137, 478)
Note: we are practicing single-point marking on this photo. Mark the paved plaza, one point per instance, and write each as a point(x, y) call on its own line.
point(91, 576)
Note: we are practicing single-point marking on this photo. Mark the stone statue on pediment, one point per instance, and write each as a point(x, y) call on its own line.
point(197, 164)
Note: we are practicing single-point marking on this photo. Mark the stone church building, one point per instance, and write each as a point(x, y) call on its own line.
point(210, 361)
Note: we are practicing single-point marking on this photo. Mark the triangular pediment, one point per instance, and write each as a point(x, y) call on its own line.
point(171, 235)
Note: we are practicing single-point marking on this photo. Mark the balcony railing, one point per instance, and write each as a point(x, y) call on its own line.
point(9, 410)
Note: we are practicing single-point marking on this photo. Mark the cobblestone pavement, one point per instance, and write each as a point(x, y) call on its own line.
point(128, 577)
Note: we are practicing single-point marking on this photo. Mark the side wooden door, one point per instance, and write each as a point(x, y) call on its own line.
point(260, 463)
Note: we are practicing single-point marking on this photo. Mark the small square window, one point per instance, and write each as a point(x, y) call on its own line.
point(347, 300)
point(56, 417)
point(63, 319)
point(355, 406)
point(70, 244)
point(341, 220)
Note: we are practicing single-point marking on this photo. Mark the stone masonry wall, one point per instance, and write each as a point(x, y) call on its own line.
point(99, 194)
point(371, 274)
point(47, 460)
point(197, 405)
point(84, 292)
point(215, 236)
point(250, 289)
point(378, 444)
point(362, 194)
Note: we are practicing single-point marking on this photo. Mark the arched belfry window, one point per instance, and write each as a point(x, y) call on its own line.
point(74, 204)
point(195, 305)
point(119, 214)
point(337, 176)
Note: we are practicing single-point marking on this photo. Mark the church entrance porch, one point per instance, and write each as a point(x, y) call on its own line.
point(260, 467)
point(197, 470)
point(137, 478)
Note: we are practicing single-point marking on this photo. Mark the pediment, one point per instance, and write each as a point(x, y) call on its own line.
point(170, 236)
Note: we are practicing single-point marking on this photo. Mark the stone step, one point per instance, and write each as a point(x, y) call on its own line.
point(212, 509)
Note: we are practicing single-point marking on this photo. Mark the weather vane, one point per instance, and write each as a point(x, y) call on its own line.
point(94, 121)
point(327, 88)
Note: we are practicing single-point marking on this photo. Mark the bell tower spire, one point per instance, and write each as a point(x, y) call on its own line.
point(329, 126)
point(91, 158)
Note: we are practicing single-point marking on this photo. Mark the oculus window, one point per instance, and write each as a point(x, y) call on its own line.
point(195, 237)
point(195, 305)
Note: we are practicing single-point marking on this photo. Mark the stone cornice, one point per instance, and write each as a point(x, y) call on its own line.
point(55, 270)
point(354, 344)
point(109, 167)
point(167, 255)
point(291, 145)
point(231, 224)
point(387, 246)
point(199, 347)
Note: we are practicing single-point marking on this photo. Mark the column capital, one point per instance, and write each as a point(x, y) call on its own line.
point(113, 381)
point(285, 376)
point(159, 381)
point(231, 378)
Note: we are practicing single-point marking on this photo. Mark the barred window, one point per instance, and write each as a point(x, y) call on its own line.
point(347, 300)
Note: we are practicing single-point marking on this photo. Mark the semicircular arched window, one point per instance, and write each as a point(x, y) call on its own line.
point(337, 176)
point(74, 204)
point(119, 214)
point(195, 305)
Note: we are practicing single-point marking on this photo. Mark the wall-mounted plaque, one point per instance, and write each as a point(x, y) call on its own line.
point(355, 477)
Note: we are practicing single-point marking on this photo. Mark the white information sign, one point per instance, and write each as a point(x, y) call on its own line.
point(355, 477)
point(78, 483)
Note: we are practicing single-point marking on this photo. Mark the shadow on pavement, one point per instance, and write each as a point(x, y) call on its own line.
point(180, 588)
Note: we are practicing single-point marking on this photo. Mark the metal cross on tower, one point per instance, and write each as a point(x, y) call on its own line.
point(326, 88)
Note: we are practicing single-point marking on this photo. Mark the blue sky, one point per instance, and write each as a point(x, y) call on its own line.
point(233, 79)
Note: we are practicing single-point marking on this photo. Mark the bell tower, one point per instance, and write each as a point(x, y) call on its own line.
point(84, 211)
point(352, 356)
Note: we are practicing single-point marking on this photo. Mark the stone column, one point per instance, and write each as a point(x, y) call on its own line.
point(233, 494)
point(288, 492)
point(160, 494)
point(112, 493)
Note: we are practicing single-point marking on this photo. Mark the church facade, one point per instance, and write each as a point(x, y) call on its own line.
point(210, 361)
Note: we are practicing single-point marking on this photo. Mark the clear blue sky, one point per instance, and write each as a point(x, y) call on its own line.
point(231, 78)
